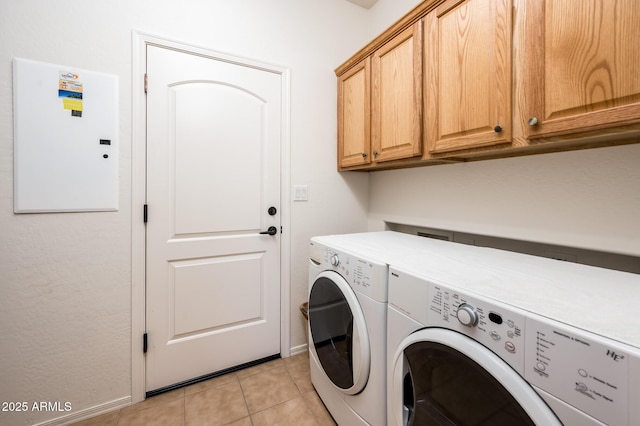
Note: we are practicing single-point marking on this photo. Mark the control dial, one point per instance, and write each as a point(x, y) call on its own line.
point(334, 260)
point(467, 315)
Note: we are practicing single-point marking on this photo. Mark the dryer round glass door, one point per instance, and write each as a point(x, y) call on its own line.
point(442, 377)
point(338, 332)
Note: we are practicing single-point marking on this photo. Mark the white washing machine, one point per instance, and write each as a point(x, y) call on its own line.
point(347, 321)
point(485, 337)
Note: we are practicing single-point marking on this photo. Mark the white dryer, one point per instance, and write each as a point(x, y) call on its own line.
point(484, 337)
point(347, 339)
point(347, 321)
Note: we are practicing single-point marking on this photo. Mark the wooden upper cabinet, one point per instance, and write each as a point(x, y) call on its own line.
point(467, 65)
point(396, 73)
point(582, 69)
point(354, 116)
point(463, 80)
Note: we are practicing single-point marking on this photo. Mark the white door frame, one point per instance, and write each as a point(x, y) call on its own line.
point(138, 197)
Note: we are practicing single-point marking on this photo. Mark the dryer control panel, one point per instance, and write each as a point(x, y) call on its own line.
point(498, 329)
point(363, 275)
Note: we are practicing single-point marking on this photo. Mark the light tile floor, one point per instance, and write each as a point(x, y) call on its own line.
point(278, 392)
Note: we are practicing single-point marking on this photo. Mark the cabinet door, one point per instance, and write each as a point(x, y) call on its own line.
point(468, 74)
point(354, 116)
point(397, 92)
point(582, 66)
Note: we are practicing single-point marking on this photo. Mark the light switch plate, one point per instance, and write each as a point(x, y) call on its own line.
point(300, 192)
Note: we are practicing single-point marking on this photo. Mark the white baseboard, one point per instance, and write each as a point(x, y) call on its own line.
point(87, 413)
point(299, 349)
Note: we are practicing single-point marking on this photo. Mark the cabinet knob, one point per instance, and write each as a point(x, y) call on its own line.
point(364, 155)
point(375, 153)
point(533, 121)
point(497, 129)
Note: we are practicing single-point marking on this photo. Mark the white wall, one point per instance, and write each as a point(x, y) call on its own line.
point(65, 292)
point(386, 12)
point(586, 199)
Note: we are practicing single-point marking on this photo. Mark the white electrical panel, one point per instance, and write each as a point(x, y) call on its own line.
point(65, 138)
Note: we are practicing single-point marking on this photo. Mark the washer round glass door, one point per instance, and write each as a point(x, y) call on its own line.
point(443, 377)
point(338, 332)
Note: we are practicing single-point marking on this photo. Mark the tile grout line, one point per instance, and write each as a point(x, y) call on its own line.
point(306, 403)
point(244, 399)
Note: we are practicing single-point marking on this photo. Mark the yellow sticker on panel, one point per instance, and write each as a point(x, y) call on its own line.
point(70, 90)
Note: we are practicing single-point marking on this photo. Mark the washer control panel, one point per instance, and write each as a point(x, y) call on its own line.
point(586, 371)
point(499, 329)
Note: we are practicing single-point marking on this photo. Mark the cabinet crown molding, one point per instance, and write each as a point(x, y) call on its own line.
point(400, 25)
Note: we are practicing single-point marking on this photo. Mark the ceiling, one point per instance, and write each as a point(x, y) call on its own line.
point(364, 3)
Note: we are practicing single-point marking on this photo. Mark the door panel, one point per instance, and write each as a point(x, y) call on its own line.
point(213, 171)
point(217, 128)
point(206, 306)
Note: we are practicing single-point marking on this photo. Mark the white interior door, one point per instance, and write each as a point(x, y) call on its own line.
point(213, 172)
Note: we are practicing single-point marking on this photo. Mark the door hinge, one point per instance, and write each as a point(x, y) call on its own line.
point(145, 212)
point(144, 343)
point(146, 83)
